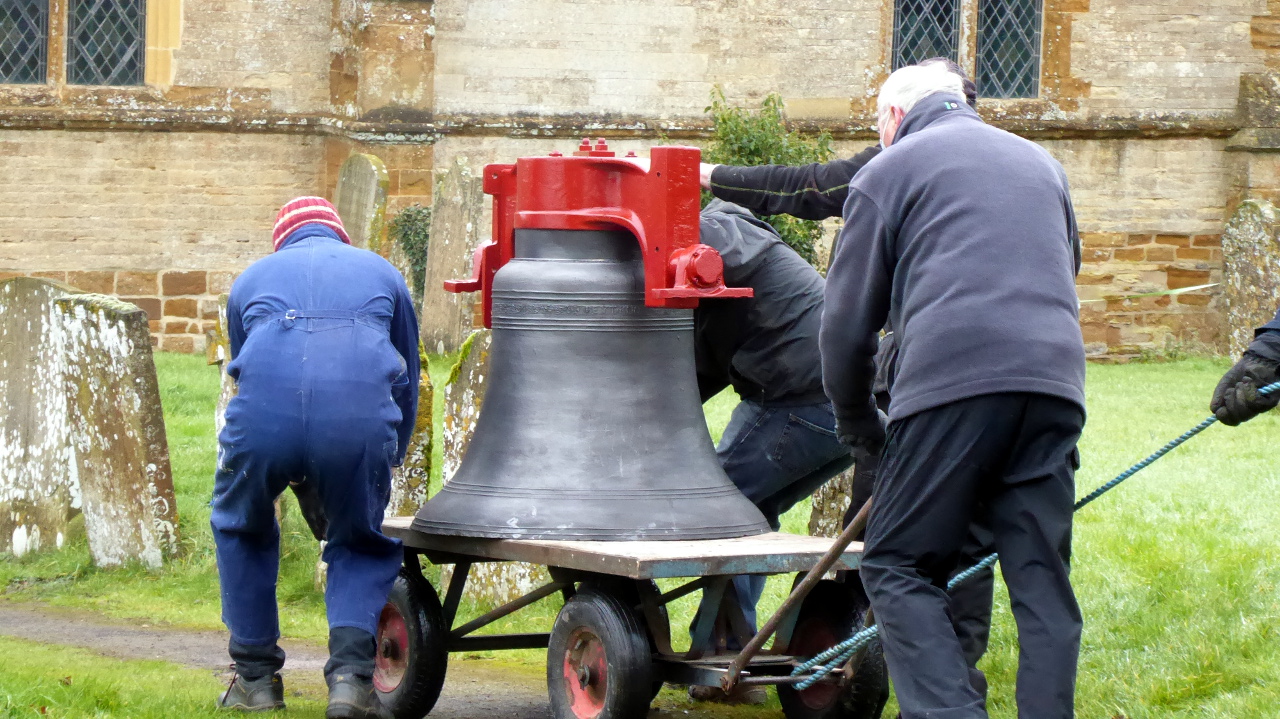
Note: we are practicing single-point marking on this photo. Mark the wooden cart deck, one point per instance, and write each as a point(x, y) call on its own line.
point(773, 553)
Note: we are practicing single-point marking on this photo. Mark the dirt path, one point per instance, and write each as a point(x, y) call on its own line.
point(474, 688)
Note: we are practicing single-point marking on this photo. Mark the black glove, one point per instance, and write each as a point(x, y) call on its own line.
point(1236, 399)
point(864, 432)
point(312, 509)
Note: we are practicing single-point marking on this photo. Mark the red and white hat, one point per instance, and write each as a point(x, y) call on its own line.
point(304, 211)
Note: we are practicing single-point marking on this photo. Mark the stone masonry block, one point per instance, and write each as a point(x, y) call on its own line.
point(1161, 253)
point(1195, 300)
point(1140, 239)
point(1176, 240)
point(1179, 277)
point(219, 283)
point(1130, 254)
point(1095, 255)
point(184, 283)
point(137, 283)
point(178, 343)
point(180, 308)
point(1102, 239)
point(1094, 278)
point(1203, 254)
point(55, 276)
point(150, 305)
point(101, 282)
point(175, 327)
point(1207, 241)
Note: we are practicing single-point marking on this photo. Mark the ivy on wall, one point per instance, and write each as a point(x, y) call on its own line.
point(411, 229)
point(761, 137)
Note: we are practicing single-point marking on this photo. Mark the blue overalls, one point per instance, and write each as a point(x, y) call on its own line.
point(324, 346)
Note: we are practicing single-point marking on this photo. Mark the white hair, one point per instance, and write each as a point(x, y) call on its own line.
point(911, 84)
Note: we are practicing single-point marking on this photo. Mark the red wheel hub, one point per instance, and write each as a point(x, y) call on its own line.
point(586, 677)
point(810, 638)
point(393, 650)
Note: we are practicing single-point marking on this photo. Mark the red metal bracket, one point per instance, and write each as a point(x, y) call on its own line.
point(594, 190)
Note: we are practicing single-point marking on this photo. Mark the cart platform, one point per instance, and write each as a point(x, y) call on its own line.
point(772, 553)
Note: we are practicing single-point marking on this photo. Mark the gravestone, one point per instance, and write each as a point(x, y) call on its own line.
point(81, 429)
point(361, 199)
point(121, 453)
point(218, 352)
point(826, 518)
point(490, 583)
point(410, 481)
point(459, 223)
point(39, 494)
point(1251, 270)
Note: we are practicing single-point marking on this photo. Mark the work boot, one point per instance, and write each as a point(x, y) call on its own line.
point(351, 697)
point(741, 694)
point(263, 694)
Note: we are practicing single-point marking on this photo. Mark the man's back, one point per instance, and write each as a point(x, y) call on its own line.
point(765, 346)
point(973, 230)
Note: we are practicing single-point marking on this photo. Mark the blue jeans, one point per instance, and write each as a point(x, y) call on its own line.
point(777, 455)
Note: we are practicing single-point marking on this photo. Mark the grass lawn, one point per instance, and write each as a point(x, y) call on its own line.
point(64, 682)
point(1176, 570)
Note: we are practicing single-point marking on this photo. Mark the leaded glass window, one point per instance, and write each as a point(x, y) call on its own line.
point(1009, 48)
point(923, 29)
point(105, 42)
point(24, 40)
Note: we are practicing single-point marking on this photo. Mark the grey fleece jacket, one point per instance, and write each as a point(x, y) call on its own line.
point(963, 237)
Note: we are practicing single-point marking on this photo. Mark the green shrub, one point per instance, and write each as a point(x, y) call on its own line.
point(761, 137)
point(412, 230)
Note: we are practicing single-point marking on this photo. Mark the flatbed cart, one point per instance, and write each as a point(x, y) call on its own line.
point(609, 650)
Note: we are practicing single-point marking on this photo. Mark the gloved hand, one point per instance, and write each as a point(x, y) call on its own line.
point(1236, 399)
point(312, 509)
point(864, 432)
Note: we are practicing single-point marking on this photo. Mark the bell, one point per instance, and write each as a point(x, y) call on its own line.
point(591, 426)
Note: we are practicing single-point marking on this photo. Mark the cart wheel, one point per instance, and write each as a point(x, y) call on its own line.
point(598, 663)
point(831, 613)
point(627, 590)
point(412, 651)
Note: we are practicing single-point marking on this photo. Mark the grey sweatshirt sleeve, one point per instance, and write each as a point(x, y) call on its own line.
point(1073, 231)
point(856, 305)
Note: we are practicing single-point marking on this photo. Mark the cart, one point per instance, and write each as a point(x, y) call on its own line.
point(609, 650)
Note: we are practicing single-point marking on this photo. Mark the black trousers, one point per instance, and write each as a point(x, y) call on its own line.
point(1005, 462)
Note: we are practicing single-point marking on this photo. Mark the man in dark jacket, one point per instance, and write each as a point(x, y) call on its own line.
point(324, 348)
point(1236, 398)
point(963, 237)
point(815, 191)
point(818, 191)
point(780, 444)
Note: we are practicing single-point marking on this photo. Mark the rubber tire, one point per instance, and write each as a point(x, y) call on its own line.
point(838, 608)
point(428, 654)
point(627, 589)
point(629, 661)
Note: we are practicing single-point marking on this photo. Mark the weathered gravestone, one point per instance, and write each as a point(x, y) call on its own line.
point(122, 456)
point(361, 199)
point(490, 583)
point(39, 494)
point(459, 223)
point(826, 518)
point(80, 426)
point(1251, 268)
point(218, 352)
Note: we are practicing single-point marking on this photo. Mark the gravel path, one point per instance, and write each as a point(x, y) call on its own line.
point(474, 688)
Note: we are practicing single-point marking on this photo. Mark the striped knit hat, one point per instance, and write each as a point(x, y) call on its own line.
point(304, 211)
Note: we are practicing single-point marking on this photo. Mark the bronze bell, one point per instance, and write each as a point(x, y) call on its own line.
point(591, 426)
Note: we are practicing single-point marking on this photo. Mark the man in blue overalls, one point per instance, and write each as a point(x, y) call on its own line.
point(324, 347)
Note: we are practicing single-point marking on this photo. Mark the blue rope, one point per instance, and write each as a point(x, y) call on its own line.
point(832, 659)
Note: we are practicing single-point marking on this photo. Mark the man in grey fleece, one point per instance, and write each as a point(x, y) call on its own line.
point(963, 237)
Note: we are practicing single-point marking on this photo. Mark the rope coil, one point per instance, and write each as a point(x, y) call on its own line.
point(832, 659)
